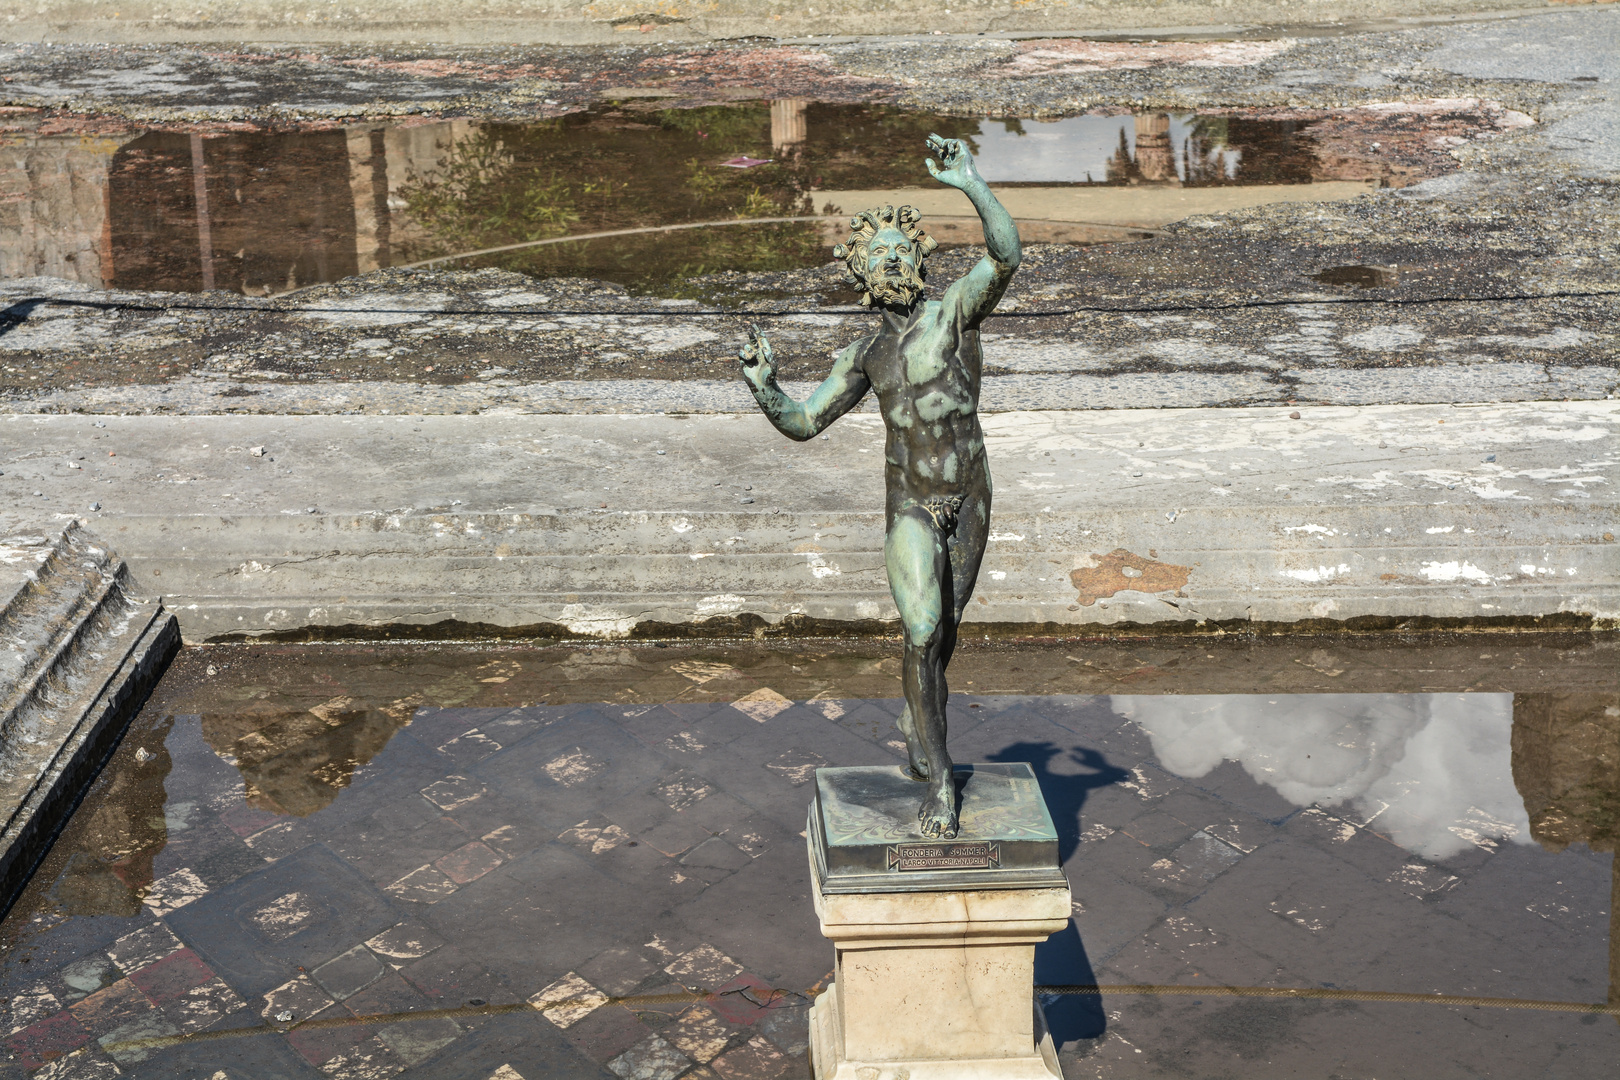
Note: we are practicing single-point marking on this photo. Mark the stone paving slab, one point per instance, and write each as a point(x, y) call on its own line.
point(598, 525)
point(489, 857)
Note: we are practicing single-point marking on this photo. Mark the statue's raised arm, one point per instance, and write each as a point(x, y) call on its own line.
point(975, 294)
point(843, 388)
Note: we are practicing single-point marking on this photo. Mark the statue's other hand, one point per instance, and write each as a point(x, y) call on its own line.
point(759, 363)
point(955, 166)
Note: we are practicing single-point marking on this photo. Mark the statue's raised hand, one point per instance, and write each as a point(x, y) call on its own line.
point(955, 166)
point(758, 362)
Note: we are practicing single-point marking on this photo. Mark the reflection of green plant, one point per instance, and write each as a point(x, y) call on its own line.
point(759, 204)
point(725, 128)
point(701, 180)
point(665, 263)
point(479, 198)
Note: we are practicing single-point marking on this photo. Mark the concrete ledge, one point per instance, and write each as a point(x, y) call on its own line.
point(569, 22)
point(617, 526)
point(84, 655)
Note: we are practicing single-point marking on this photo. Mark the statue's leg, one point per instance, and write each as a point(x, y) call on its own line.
point(966, 549)
point(919, 569)
point(967, 552)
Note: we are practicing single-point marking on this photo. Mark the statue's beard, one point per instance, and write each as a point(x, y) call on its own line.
point(900, 290)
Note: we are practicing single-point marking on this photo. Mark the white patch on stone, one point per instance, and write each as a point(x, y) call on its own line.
point(1386, 338)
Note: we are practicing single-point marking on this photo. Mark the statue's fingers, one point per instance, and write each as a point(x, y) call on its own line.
point(933, 169)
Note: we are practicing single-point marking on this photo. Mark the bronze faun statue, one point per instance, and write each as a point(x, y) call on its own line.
point(924, 362)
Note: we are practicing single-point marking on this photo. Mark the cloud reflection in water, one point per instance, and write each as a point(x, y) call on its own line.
point(1433, 772)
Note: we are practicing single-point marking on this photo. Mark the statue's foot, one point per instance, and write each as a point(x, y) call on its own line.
point(938, 812)
point(917, 768)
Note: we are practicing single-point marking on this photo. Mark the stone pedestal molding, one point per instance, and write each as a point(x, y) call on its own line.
point(935, 985)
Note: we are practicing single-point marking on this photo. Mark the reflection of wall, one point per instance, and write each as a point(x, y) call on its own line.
point(53, 199)
point(118, 834)
point(1430, 771)
point(279, 212)
point(295, 761)
point(1566, 762)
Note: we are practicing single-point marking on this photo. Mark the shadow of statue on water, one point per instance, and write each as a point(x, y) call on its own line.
point(1061, 959)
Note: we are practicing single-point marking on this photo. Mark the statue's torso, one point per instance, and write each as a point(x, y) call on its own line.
point(926, 378)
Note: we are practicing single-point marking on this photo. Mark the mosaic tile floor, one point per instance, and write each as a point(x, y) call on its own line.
point(549, 882)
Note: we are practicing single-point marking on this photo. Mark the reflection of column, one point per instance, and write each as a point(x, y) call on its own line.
point(54, 193)
point(205, 232)
point(1566, 765)
point(1153, 158)
point(368, 181)
point(788, 131)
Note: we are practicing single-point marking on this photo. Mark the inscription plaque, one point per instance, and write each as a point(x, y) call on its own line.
point(971, 856)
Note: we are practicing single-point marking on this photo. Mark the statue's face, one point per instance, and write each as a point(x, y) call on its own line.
point(893, 268)
point(889, 249)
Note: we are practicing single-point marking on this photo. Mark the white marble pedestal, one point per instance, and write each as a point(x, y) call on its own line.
point(934, 985)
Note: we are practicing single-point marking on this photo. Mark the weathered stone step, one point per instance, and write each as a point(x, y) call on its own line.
point(81, 652)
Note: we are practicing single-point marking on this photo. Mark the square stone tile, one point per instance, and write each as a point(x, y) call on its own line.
point(512, 840)
point(650, 1059)
point(399, 945)
point(714, 860)
point(424, 885)
point(415, 1041)
point(682, 791)
point(568, 1000)
point(756, 1059)
point(704, 967)
point(349, 972)
point(371, 1059)
point(574, 766)
point(594, 836)
point(127, 1044)
point(762, 705)
point(295, 1001)
point(744, 1000)
point(46, 1040)
point(321, 1045)
point(202, 1006)
point(450, 978)
point(788, 1026)
point(698, 1033)
point(606, 1033)
point(1206, 856)
point(453, 792)
point(173, 891)
point(619, 970)
point(1159, 830)
point(79, 978)
point(797, 766)
point(675, 836)
point(112, 1008)
point(468, 863)
point(171, 977)
point(278, 841)
point(469, 749)
point(145, 946)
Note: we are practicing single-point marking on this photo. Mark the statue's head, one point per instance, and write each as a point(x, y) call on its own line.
point(885, 255)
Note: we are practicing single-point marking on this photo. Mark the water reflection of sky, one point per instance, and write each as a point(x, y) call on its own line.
point(1433, 772)
point(1076, 149)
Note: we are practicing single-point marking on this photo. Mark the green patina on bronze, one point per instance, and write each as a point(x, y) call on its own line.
point(863, 832)
point(924, 363)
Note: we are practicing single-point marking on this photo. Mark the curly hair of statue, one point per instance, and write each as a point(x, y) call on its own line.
point(867, 224)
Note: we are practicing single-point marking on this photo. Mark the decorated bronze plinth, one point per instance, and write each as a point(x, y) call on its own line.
point(864, 838)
